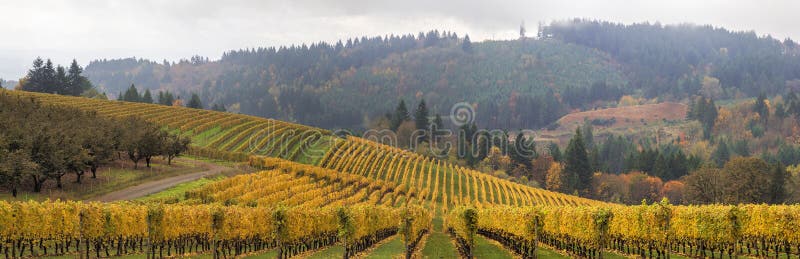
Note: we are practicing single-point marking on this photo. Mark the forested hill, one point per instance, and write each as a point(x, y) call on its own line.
point(339, 85)
point(668, 60)
point(524, 83)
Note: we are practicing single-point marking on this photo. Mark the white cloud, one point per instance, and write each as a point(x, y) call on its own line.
point(155, 29)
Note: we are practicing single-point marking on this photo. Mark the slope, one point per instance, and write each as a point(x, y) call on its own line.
point(339, 86)
point(237, 137)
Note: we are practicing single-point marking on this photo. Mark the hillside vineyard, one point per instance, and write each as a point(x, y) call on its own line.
point(315, 189)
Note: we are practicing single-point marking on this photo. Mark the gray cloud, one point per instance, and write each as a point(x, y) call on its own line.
point(155, 29)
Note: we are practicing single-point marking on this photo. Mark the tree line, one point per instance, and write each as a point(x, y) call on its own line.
point(334, 85)
point(669, 59)
point(40, 143)
point(163, 98)
point(44, 77)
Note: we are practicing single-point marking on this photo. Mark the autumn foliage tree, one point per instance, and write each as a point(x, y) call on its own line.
point(40, 143)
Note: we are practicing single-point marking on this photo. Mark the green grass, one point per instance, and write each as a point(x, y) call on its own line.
point(313, 154)
point(136, 256)
point(119, 176)
point(267, 255)
point(485, 249)
point(439, 246)
point(177, 192)
point(204, 137)
point(213, 161)
point(271, 254)
point(391, 249)
point(333, 252)
point(547, 253)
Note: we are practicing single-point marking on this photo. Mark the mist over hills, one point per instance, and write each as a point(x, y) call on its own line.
point(525, 83)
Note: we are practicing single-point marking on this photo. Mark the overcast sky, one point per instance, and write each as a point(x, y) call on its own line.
point(174, 29)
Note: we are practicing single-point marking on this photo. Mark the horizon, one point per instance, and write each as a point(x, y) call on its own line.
point(180, 30)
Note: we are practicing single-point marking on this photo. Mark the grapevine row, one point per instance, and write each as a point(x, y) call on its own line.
point(105, 229)
point(449, 184)
point(653, 231)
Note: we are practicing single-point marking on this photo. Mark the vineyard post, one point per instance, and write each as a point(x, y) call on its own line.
point(80, 235)
point(535, 236)
point(602, 218)
point(407, 232)
point(279, 217)
point(470, 217)
point(346, 228)
point(733, 217)
point(217, 221)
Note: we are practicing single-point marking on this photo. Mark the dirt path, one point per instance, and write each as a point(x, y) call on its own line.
point(147, 188)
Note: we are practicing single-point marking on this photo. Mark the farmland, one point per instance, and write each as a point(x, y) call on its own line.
point(316, 193)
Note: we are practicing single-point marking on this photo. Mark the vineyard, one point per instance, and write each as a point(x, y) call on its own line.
point(290, 208)
point(433, 180)
point(647, 231)
point(214, 134)
point(158, 230)
point(315, 190)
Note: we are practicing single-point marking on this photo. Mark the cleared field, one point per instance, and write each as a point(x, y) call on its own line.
point(627, 116)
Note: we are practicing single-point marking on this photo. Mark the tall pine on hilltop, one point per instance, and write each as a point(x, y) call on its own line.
point(577, 167)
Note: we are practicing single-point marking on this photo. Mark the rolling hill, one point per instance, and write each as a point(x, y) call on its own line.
point(317, 191)
point(341, 85)
point(237, 137)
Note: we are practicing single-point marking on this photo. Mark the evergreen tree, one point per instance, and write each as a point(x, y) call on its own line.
point(466, 45)
point(787, 155)
point(194, 102)
point(61, 85)
point(741, 148)
point(709, 117)
point(35, 77)
point(218, 107)
point(147, 98)
point(421, 118)
point(722, 154)
point(524, 151)
point(588, 134)
point(132, 95)
point(76, 83)
point(437, 129)
point(761, 108)
point(400, 115)
point(577, 166)
point(160, 97)
point(555, 152)
point(50, 80)
point(437, 121)
point(777, 188)
point(780, 111)
point(165, 98)
point(661, 167)
point(42, 77)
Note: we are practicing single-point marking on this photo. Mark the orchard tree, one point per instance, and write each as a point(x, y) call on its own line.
point(174, 146)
